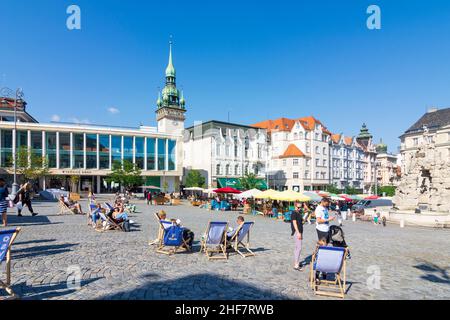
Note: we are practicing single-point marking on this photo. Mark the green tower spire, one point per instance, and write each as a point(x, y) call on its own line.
point(364, 133)
point(171, 96)
point(170, 70)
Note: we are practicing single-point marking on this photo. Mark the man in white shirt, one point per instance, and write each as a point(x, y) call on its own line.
point(323, 220)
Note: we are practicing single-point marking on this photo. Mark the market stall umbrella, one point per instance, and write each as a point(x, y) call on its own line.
point(290, 195)
point(227, 190)
point(356, 197)
point(268, 194)
point(208, 191)
point(372, 198)
point(150, 187)
point(249, 194)
point(346, 197)
point(194, 189)
point(324, 194)
point(314, 196)
point(336, 198)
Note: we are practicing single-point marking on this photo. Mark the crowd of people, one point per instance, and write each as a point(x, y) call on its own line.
point(117, 213)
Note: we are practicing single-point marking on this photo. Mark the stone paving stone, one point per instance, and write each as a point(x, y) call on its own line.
point(413, 262)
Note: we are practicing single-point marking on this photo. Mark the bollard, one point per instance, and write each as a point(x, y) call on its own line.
point(349, 212)
point(402, 223)
point(354, 217)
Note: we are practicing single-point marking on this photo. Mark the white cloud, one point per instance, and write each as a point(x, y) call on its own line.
point(56, 118)
point(78, 121)
point(113, 110)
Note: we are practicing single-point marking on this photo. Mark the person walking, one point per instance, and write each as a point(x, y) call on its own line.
point(323, 220)
point(149, 198)
point(24, 198)
point(4, 202)
point(297, 232)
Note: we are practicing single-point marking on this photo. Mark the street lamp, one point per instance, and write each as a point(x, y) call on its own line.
point(8, 93)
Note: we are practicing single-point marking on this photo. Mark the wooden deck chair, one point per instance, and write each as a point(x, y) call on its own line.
point(215, 241)
point(7, 238)
point(110, 223)
point(237, 240)
point(329, 260)
point(160, 230)
point(172, 240)
point(63, 208)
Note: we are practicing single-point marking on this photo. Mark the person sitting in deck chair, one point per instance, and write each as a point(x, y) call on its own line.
point(119, 215)
point(188, 235)
point(72, 205)
point(240, 220)
point(95, 215)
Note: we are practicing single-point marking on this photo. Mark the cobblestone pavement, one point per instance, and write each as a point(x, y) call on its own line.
point(414, 263)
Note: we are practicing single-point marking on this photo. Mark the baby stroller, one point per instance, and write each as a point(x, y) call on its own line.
point(337, 239)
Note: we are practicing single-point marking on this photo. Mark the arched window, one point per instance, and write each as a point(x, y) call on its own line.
point(218, 169)
point(227, 169)
point(236, 170)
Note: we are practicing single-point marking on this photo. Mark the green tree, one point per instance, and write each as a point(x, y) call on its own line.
point(74, 180)
point(249, 181)
point(30, 166)
point(350, 191)
point(333, 189)
point(388, 190)
point(195, 179)
point(126, 173)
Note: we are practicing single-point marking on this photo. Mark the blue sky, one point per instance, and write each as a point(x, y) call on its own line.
point(254, 59)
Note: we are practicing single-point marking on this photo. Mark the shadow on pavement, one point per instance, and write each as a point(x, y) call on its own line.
point(47, 291)
point(46, 250)
point(14, 220)
point(195, 287)
point(17, 243)
point(433, 272)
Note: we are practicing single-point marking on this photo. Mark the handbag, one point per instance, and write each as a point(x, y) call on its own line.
point(19, 205)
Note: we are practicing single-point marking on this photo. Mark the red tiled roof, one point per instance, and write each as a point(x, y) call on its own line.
point(348, 141)
point(281, 124)
point(292, 151)
point(336, 138)
point(285, 124)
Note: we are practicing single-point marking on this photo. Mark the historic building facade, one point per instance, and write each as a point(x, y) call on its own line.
point(425, 154)
point(89, 151)
point(224, 152)
point(388, 168)
point(304, 155)
point(347, 162)
point(365, 140)
point(298, 153)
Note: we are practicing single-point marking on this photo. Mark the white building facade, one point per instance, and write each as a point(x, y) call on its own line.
point(347, 163)
point(304, 155)
point(224, 152)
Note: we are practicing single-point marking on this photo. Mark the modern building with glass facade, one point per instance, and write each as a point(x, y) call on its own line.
point(89, 151)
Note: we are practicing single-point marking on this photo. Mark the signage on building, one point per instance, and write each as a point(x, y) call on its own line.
point(77, 172)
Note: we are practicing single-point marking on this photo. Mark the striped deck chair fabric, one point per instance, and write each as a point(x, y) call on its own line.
point(241, 240)
point(215, 241)
point(7, 238)
point(330, 261)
